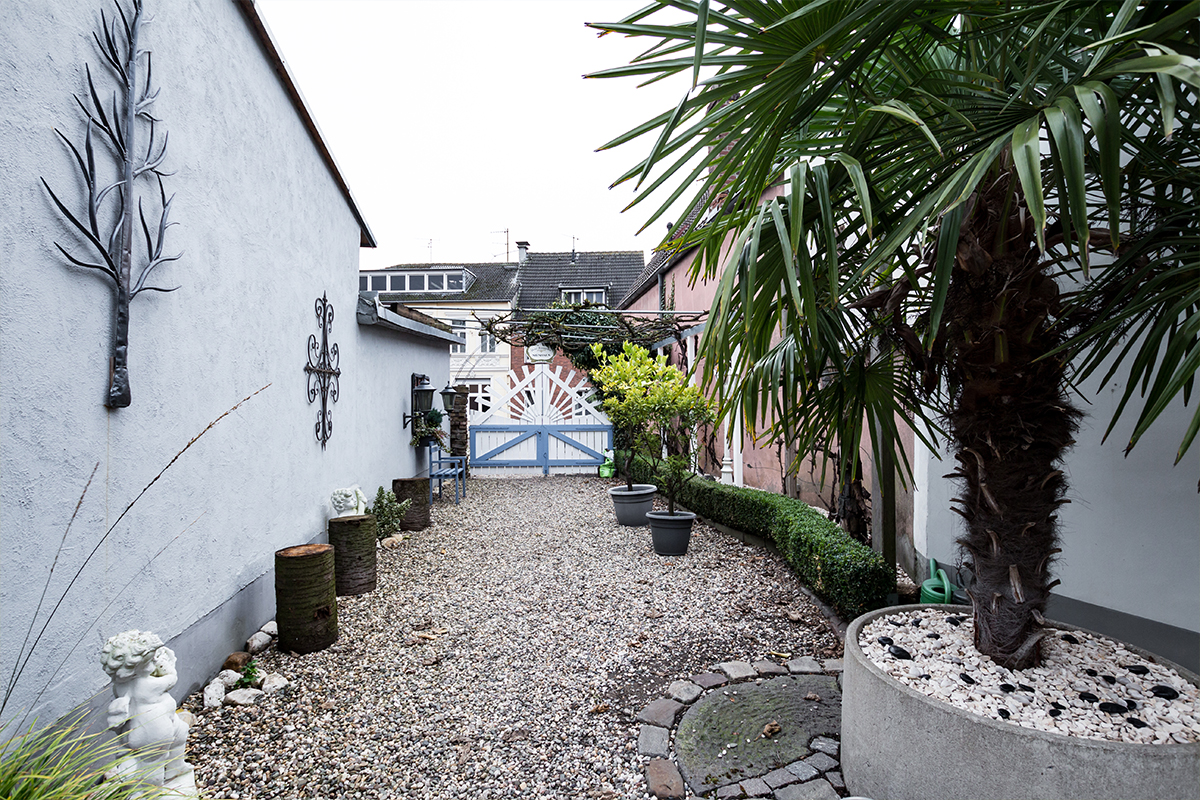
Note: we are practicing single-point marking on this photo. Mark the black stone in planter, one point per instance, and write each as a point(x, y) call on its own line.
point(900, 744)
point(631, 506)
point(671, 533)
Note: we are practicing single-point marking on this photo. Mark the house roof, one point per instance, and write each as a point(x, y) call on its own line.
point(263, 34)
point(545, 275)
point(664, 258)
point(486, 282)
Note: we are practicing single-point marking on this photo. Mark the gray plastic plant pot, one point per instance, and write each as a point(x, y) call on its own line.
point(671, 533)
point(902, 745)
point(631, 506)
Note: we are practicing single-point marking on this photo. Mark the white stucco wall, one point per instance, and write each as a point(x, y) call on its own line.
point(265, 231)
point(1131, 534)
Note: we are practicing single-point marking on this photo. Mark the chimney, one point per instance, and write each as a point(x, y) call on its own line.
point(522, 252)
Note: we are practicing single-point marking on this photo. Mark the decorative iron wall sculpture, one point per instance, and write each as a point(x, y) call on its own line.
point(323, 370)
point(109, 226)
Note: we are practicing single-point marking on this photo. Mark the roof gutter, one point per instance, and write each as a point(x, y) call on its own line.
point(263, 34)
point(371, 312)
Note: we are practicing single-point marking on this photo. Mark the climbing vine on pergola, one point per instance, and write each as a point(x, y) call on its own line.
point(573, 328)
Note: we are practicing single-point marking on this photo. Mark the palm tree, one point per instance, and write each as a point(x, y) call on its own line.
point(917, 198)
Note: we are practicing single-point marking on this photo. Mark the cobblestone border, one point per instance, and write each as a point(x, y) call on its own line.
point(816, 777)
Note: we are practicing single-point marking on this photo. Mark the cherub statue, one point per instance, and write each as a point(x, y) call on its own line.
point(143, 711)
point(347, 502)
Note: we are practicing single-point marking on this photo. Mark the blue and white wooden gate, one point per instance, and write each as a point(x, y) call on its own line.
point(545, 424)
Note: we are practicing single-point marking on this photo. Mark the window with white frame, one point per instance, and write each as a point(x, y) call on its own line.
point(459, 328)
point(487, 342)
point(578, 296)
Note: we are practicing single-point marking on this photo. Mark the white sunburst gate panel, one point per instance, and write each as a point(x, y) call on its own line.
point(545, 424)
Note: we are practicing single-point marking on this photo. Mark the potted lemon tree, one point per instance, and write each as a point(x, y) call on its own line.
point(623, 379)
point(653, 402)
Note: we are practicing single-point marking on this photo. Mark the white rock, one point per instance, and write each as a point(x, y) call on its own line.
point(258, 642)
point(243, 697)
point(228, 677)
point(214, 694)
point(270, 629)
point(273, 682)
point(188, 717)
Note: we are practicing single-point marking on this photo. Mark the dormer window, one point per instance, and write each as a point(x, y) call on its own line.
point(579, 296)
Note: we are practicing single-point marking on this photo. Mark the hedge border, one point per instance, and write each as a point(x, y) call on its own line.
point(845, 573)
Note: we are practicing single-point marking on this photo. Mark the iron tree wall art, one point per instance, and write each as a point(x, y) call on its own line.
point(108, 222)
point(323, 371)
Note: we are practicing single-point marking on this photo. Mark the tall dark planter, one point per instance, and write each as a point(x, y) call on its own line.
point(353, 539)
point(417, 490)
point(305, 599)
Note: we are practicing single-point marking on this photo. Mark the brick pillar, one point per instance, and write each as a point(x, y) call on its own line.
point(459, 437)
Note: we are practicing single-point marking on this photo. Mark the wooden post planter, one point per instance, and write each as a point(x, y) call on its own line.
point(353, 539)
point(417, 490)
point(305, 599)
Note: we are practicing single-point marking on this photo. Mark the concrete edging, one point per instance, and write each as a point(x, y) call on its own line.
point(899, 744)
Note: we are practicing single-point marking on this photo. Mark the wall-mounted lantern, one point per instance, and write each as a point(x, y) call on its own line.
point(422, 397)
point(448, 394)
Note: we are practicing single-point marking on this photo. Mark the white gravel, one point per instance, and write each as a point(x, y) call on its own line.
point(1083, 688)
point(504, 654)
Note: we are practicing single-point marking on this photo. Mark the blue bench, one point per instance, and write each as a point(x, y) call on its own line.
point(444, 467)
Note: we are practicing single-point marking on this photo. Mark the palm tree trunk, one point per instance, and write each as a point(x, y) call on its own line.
point(1011, 423)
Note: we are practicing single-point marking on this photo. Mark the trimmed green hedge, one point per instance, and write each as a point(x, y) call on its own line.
point(848, 575)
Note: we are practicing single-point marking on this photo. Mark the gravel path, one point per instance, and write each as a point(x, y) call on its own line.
point(504, 654)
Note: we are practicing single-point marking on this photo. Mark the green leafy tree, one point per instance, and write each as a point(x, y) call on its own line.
point(678, 411)
point(623, 381)
point(911, 194)
point(659, 412)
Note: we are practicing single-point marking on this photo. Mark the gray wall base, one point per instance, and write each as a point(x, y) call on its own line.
point(204, 645)
point(1176, 644)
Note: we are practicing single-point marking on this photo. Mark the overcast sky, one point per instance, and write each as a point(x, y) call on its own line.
point(454, 120)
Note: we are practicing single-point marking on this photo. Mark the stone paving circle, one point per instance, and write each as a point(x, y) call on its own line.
point(742, 730)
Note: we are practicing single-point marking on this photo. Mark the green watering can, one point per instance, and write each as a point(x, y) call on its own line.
point(937, 589)
point(608, 469)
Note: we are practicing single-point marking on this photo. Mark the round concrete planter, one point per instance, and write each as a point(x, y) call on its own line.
point(670, 533)
point(901, 745)
point(631, 506)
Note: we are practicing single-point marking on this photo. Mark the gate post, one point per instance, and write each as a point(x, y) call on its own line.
point(459, 438)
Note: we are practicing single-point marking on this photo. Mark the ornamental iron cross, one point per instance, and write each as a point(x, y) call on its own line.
point(323, 371)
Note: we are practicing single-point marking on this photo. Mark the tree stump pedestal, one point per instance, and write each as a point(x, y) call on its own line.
point(305, 599)
point(353, 539)
point(417, 490)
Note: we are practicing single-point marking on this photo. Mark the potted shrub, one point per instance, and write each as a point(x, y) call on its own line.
point(650, 400)
point(623, 379)
point(677, 411)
